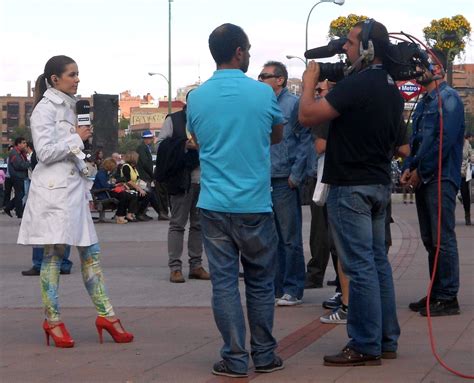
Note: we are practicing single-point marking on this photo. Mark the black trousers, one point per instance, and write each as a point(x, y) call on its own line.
point(7, 192)
point(321, 245)
point(17, 202)
point(466, 196)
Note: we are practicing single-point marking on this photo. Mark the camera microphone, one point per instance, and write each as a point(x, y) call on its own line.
point(83, 109)
point(334, 47)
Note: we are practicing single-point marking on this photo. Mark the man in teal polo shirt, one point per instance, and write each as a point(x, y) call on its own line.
point(234, 120)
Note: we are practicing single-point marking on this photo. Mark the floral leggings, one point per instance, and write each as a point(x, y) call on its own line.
point(91, 274)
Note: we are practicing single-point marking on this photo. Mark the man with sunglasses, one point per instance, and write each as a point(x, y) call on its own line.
point(288, 165)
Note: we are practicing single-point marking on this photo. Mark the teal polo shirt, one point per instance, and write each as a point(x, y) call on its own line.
point(232, 117)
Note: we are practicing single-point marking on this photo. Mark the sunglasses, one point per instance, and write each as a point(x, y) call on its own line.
point(266, 76)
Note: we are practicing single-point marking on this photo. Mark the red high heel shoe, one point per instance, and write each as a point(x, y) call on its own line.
point(119, 337)
point(64, 341)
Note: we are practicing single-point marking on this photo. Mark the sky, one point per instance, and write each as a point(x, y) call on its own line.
point(117, 42)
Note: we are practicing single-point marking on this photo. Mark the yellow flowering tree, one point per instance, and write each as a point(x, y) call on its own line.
point(450, 36)
point(341, 26)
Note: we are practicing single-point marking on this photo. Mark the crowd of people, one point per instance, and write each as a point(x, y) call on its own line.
point(232, 165)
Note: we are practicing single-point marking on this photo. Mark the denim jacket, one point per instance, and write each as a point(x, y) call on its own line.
point(289, 156)
point(424, 142)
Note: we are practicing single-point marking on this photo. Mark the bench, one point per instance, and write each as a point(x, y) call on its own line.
point(102, 205)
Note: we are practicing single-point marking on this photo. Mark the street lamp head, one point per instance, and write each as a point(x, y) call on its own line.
point(150, 73)
point(339, 2)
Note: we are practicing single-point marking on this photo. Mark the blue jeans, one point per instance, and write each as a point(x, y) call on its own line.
point(446, 282)
point(255, 237)
point(357, 220)
point(38, 253)
point(290, 273)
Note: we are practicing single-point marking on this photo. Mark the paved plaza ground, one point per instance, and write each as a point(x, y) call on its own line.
point(176, 339)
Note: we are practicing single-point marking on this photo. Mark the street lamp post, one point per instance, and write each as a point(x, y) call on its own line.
point(169, 56)
point(169, 87)
point(289, 57)
point(338, 2)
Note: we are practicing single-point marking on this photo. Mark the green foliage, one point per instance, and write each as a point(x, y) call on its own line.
point(21, 131)
point(124, 123)
point(129, 142)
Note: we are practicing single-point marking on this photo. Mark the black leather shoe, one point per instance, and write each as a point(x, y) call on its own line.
point(308, 284)
point(350, 357)
point(65, 272)
point(143, 218)
point(30, 272)
point(331, 283)
point(8, 212)
point(442, 307)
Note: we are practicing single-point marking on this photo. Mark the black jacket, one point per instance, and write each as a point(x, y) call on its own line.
point(145, 163)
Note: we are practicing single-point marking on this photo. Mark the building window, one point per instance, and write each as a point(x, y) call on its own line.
point(13, 114)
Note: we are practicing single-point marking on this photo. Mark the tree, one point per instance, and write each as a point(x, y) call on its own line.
point(341, 26)
point(129, 142)
point(450, 36)
point(124, 123)
point(21, 131)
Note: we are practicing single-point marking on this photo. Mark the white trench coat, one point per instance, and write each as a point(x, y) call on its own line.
point(57, 208)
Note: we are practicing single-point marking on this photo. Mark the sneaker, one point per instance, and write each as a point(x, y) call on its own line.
point(176, 276)
point(442, 307)
point(338, 316)
point(276, 365)
point(350, 357)
point(288, 300)
point(334, 302)
point(417, 306)
point(199, 273)
point(221, 369)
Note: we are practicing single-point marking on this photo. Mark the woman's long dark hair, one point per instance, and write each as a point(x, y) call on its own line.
point(56, 65)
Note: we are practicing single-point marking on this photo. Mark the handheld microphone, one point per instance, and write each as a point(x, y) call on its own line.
point(83, 109)
point(334, 47)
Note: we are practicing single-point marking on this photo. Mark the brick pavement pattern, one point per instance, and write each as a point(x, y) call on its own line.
point(175, 336)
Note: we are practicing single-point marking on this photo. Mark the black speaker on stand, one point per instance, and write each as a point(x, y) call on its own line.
point(105, 122)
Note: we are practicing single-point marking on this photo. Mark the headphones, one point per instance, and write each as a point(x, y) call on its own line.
point(366, 47)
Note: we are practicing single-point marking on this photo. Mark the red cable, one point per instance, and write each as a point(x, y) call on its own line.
point(438, 243)
point(438, 233)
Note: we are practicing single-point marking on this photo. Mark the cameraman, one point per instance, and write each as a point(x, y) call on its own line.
point(365, 112)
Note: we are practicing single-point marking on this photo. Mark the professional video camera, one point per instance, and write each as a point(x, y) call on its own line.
point(401, 61)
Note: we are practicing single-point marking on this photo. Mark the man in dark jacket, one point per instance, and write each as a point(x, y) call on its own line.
point(183, 187)
point(18, 169)
point(145, 170)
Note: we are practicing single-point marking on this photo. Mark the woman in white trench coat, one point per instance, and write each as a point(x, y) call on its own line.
point(57, 210)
